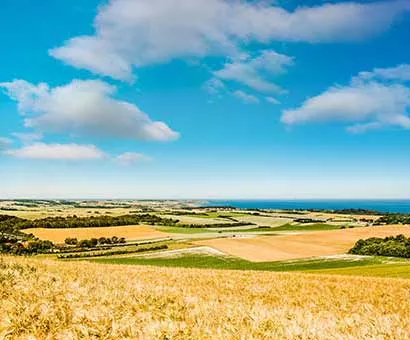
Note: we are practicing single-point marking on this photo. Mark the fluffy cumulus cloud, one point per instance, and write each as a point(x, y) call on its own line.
point(84, 107)
point(134, 33)
point(367, 103)
point(246, 97)
point(129, 158)
point(253, 71)
point(67, 152)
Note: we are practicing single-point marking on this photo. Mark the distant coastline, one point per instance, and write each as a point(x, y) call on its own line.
point(391, 206)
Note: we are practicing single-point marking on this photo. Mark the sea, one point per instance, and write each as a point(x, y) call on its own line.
point(386, 206)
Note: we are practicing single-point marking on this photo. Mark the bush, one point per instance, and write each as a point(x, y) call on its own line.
point(71, 241)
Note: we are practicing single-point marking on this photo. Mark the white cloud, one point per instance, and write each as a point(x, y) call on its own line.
point(84, 107)
point(129, 158)
point(399, 73)
point(368, 104)
point(254, 71)
point(140, 32)
point(67, 152)
point(5, 142)
point(95, 55)
point(272, 100)
point(246, 97)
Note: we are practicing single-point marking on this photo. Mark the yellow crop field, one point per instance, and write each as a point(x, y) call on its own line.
point(129, 232)
point(45, 299)
point(288, 247)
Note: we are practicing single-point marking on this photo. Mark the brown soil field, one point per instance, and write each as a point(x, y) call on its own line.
point(72, 300)
point(129, 232)
point(289, 247)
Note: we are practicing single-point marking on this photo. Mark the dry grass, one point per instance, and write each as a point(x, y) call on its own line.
point(51, 300)
point(129, 232)
point(288, 247)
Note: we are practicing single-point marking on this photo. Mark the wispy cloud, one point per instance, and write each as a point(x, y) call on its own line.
point(67, 152)
point(214, 86)
point(246, 97)
point(272, 100)
point(5, 143)
point(129, 158)
point(398, 73)
point(255, 71)
point(28, 137)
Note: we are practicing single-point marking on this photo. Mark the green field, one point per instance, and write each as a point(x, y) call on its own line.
point(179, 230)
point(221, 262)
point(219, 214)
point(287, 227)
point(365, 266)
point(399, 270)
point(292, 227)
point(307, 227)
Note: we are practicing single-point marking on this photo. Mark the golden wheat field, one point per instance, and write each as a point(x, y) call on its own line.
point(45, 299)
point(129, 232)
point(297, 246)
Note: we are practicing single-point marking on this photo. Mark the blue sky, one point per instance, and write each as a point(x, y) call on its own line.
point(175, 99)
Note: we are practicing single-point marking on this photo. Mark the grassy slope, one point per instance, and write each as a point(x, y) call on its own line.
point(215, 262)
point(370, 266)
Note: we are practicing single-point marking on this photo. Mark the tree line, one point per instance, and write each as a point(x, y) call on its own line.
point(93, 242)
point(394, 219)
point(114, 252)
point(215, 225)
point(398, 246)
point(89, 222)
